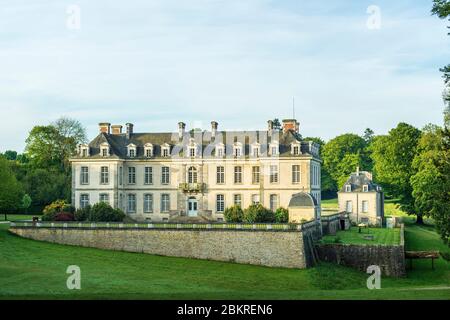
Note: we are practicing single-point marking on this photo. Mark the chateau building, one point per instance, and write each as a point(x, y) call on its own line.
point(195, 175)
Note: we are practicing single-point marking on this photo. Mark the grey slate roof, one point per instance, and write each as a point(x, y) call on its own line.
point(358, 180)
point(302, 199)
point(118, 142)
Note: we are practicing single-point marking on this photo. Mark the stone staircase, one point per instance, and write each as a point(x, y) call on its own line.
point(187, 219)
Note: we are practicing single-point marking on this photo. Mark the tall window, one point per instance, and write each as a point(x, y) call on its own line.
point(120, 176)
point(192, 175)
point(84, 176)
point(220, 203)
point(349, 206)
point(131, 175)
point(192, 152)
point(148, 152)
point(220, 179)
point(348, 188)
point(273, 174)
point(273, 202)
point(131, 203)
point(296, 150)
point(148, 203)
point(165, 152)
point(104, 175)
point(165, 175)
point(104, 152)
point(238, 200)
point(84, 152)
point(238, 174)
point(148, 175)
point(296, 174)
point(256, 151)
point(255, 175)
point(237, 151)
point(219, 152)
point(165, 203)
point(132, 153)
point(104, 197)
point(365, 206)
point(255, 199)
point(84, 200)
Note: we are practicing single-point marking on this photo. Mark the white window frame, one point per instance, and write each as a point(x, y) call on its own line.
point(274, 174)
point(220, 175)
point(273, 198)
point(365, 188)
point(148, 175)
point(238, 174)
point(256, 199)
point(237, 150)
point(220, 150)
point(165, 175)
point(165, 150)
point(84, 176)
point(274, 146)
point(256, 175)
point(131, 203)
point(104, 175)
point(365, 206)
point(148, 150)
point(84, 200)
point(237, 199)
point(148, 203)
point(192, 175)
point(295, 146)
point(131, 175)
point(220, 203)
point(132, 151)
point(348, 188)
point(165, 203)
point(296, 174)
point(103, 197)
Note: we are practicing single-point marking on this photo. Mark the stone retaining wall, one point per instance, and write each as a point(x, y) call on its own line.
point(390, 259)
point(267, 248)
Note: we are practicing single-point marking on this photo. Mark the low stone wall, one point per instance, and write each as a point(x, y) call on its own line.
point(331, 223)
point(390, 259)
point(267, 248)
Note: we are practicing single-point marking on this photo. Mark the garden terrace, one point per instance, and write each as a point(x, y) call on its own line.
point(381, 236)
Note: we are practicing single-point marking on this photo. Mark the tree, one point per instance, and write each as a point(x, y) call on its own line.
point(10, 190)
point(42, 147)
point(233, 214)
point(368, 135)
point(431, 183)
point(393, 155)
point(26, 202)
point(276, 124)
point(10, 155)
point(340, 153)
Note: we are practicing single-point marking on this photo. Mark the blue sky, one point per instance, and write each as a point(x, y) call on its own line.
point(154, 63)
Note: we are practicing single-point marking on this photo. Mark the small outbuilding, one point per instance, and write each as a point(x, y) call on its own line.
point(362, 199)
point(303, 206)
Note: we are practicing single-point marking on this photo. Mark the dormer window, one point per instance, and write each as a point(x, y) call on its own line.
point(295, 148)
point(237, 150)
point(274, 149)
point(365, 188)
point(84, 150)
point(131, 150)
point(192, 152)
point(192, 148)
point(256, 150)
point(165, 150)
point(220, 150)
point(348, 188)
point(148, 150)
point(104, 150)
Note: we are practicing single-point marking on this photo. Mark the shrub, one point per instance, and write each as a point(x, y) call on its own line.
point(105, 213)
point(64, 216)
point(233, 214)
point(282, 215)
point(257, 213)
point(58, 206)
point(83, 214)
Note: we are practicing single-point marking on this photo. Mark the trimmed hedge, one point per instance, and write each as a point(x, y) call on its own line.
point(100, 212)
point(233, 214)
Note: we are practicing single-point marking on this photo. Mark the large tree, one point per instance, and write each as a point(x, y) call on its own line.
point(342, 155)
point(49, 149)
point(10, 189)
point(392, 156)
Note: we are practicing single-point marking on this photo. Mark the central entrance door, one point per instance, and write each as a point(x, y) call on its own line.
point(192, 207)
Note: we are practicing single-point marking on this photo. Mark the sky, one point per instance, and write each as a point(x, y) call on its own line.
point(349, 64)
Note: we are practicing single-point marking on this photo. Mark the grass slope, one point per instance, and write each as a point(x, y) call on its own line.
point(33, 269)
point(352, 236)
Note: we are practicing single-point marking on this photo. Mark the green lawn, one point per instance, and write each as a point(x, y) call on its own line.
point(33, 269)
point(382, 236)
point(17, 217)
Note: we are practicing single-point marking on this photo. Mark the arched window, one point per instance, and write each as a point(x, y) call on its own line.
point(192, 175)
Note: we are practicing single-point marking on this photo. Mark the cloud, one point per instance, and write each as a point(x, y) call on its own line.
point(155, 63)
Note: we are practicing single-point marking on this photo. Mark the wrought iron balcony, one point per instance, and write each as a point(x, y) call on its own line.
point(193, 187)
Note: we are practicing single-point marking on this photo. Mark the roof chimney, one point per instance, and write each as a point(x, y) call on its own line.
point(129, 130)
point(116, 129)
point(104, 127)
point(357, 170)
point(270, 126)
point(290, 124)
point(181, 129)
point(214, 126)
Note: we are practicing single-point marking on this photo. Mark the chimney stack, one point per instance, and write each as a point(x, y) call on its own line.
point(129, 130)
point(357, 171)
point(290, 124)
point(270, 126)
point(214, 126)
point(104, 127)
point(116, 129)
point(181, 129)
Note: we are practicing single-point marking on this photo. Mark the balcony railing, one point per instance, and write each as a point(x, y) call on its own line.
point(193, 187)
